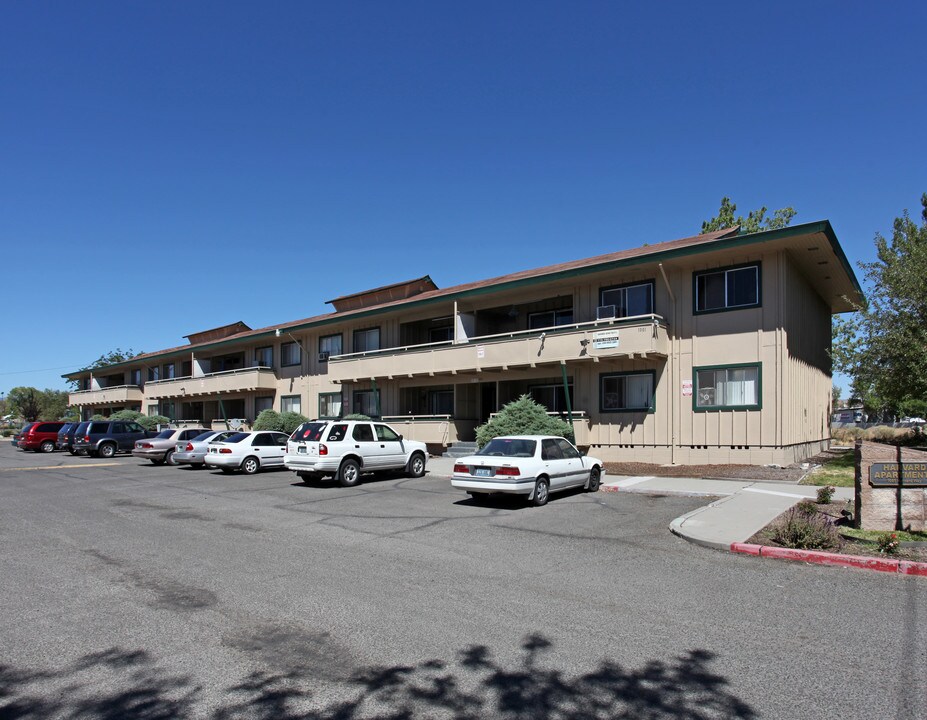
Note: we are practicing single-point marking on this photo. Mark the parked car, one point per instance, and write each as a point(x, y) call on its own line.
point(17, 436)
point(344, 449)
point(160, 449)
point(105, 438)
point(65, 440)
point(532, 465)
point(40, 436)
point(248, 451)
point(193, 452)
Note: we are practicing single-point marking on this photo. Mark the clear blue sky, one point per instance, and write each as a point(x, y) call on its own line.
point(167, 167)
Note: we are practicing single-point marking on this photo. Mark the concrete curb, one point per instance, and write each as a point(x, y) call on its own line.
point(902, 567)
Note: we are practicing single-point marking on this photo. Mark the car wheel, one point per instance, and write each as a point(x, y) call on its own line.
point(349, 473)
point(251, 465)
point(595, 479)
point(47, 446)
point(169, 458)
point(416, 466)
point(541, 492)
point(107, 450)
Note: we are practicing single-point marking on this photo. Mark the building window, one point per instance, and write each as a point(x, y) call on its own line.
point(261, 404)
point(264, 357)
point(727, 387)
point(628, 300)
point(167, 409)
point(152, 410)
point(330, 405)
point(624, 392)
point(367, 340)
point(290, 403)
point(168, 371)
point(727, 289)
point(441, 402)
point(290, 354)
point(550, 318)
point(366, 402)
point(441, 334)
point(154, 373)
point(135, 377)
point(551, 396)
point(329, 345)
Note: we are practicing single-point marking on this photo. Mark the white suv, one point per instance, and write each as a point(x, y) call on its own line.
point(344, 449)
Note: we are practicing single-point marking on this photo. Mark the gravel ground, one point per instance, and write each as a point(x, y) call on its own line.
point(789, 473)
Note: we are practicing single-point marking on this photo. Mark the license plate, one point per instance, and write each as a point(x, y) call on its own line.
point(301, 450)
point(482, 472)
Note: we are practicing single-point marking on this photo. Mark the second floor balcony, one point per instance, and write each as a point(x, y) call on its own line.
point(229, 381)
point(642, 336)
point(115, 395)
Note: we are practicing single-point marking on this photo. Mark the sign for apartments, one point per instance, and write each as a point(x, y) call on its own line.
point(605, 340)
point(885, 474)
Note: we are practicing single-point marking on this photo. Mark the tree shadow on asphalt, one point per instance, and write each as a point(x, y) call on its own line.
point(121, 684)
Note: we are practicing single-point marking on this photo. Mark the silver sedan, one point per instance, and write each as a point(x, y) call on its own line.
point(193, 452)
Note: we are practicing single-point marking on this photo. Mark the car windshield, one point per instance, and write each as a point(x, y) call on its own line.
point(311, 431)
point(204, 436)
point(509, 447)
point(237, 437)
point(164, 434)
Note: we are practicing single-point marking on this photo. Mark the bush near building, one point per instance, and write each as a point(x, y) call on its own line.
point(523, 417)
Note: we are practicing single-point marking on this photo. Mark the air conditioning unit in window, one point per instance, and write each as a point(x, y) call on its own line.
point(603, 312)
point(323, 356)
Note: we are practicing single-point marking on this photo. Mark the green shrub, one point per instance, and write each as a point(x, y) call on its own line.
point(847, 435)
point(357, 416)
point(825, 494)
point(151, 422)
point(523, 417)
point(806, 532)
point(807, 507)
point(7, 432)
point(269, 420)
point(291, 420)
point(888, 543)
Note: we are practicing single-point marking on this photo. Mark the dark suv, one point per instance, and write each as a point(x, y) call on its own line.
point(107, 437)
point(66, 437)
point(41, 436)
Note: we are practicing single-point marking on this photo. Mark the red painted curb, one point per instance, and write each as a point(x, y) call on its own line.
point(902, 567)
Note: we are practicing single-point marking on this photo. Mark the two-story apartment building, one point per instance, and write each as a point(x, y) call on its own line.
point(707, 349)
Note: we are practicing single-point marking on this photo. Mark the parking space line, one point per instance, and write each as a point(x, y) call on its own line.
point(62, 467)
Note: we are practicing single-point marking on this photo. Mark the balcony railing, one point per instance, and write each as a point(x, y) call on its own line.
point(439, 430)
point(115, 395)
point(641, 336)
point(227, 381)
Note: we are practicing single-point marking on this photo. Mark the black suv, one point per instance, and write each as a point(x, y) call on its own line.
point(66, 438)
point(107, 437)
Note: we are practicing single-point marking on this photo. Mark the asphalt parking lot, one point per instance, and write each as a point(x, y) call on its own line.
point(131, 590)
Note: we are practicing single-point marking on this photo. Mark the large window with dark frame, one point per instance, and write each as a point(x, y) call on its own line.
point(628, 300)
point(729, 288)
point(367, 340)
point(330, 405)
point(626, 392)
point(366, 402)
point(329, 345)
point(550, 318)
point(264, 356)
point(290, 354)
point(291, 403)
point(727, 387)
point(551, 396)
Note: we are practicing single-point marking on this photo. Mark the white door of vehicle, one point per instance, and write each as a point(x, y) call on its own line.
point(562, 471)
point(267, 448)
point(366, 445)
point(579, 473)
point(390, 449)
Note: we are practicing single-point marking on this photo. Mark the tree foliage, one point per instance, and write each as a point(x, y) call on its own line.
point(25, 402)
point(281, 422)
point(523, 417)
point(106, 359)
point(883, 346)
point(755, 221)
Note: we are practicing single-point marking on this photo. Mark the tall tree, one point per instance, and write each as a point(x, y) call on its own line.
point(884, 346)
point(25, 402)
point(755, 221)
point(106, 359)
point(53, 403)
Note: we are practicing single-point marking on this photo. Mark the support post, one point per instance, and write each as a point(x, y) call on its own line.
point(566, 392)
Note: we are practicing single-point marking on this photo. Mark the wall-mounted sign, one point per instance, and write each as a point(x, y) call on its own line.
point(687, 388)
point(605, 340)
point(480, 351)
point(885, 475)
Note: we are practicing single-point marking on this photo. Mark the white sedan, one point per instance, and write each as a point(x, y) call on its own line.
point(247, 451)
point(532, 465)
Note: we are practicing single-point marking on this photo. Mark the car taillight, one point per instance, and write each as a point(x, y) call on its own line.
point(508, 471)
point(460, 469)
point(323, 449)
point(189, 447)
point(225, 451)
point(86, 438)
point(144, 445)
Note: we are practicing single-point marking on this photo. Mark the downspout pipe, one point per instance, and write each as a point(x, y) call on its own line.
point(674, 369)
